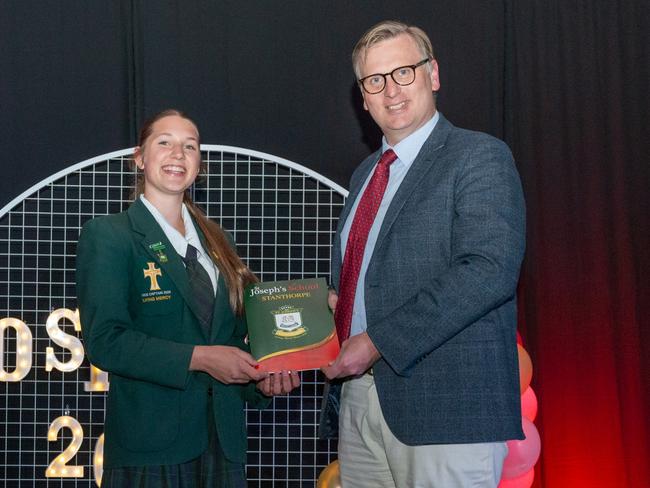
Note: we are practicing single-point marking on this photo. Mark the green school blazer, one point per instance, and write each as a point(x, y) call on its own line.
point(139, 324)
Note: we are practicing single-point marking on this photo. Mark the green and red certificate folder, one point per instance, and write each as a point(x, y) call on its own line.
point(290, 326)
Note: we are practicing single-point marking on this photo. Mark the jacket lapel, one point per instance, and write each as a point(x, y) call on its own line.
point(423, 162)
point(364, 170)
point(218, 333)
point(168, 259)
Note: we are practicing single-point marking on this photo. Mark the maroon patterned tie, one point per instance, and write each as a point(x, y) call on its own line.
point(363, 219)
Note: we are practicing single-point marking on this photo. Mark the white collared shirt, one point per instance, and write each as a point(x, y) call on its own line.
point(180, 241)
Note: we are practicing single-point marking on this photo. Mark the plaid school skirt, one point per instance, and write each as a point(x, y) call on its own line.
point(210, 469)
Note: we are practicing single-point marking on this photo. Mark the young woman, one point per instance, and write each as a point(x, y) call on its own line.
point(160, 291)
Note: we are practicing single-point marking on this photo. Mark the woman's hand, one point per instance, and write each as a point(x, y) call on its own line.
point(279, 383)
point(226, 364)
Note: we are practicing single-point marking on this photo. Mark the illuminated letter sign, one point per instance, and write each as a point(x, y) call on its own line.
point(23, 349)
point(69, 342)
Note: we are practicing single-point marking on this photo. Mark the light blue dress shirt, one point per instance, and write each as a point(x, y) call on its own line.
point(406, 150)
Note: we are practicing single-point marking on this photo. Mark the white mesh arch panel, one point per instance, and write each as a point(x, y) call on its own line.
point(282, 216)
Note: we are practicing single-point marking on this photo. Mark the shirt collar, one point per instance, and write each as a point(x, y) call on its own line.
point(408, 148)
point(178, 240)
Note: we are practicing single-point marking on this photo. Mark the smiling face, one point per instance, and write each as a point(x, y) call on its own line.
point(400, 110)
point(170, 158)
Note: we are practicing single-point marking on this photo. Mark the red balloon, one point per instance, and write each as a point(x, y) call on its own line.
point(519, 339)
point(523, 481)
point(525, 369)
point(529, 404)
point(522, 455)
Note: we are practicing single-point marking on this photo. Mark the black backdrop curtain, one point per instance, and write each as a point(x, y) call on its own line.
point(564, 83)
point(79, 77)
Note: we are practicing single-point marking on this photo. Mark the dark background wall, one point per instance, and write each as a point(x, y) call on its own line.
point(79, 77)
point(564, 83)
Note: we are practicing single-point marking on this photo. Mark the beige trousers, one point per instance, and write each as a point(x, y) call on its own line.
point(371, 456)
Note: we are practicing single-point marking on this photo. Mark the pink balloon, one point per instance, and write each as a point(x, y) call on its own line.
point(522, 455)
point(523, 481)
point(529, 404)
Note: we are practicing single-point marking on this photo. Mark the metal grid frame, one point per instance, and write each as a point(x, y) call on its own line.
point(282, 217)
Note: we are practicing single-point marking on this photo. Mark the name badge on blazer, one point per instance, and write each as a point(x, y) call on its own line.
point(159, 249)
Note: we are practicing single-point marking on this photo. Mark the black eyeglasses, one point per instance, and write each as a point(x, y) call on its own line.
point(404, 75)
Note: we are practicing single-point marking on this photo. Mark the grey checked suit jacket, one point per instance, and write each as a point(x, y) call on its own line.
point(440, 292)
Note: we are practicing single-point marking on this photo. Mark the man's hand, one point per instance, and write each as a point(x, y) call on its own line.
point(357, 356)
point(332, 298)
point(226, 364)
point(279, 383)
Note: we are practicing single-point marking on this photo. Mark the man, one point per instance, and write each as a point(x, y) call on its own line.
point(425, 263)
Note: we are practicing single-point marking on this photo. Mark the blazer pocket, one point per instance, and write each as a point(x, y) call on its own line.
point(146, 416)
point(164, 306)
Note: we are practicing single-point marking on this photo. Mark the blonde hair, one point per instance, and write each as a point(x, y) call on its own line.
point(389, 29)
point(235, 273)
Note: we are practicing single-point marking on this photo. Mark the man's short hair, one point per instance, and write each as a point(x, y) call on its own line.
point(385, 30)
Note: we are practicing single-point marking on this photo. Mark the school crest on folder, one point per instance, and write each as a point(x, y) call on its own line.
point(288, 322)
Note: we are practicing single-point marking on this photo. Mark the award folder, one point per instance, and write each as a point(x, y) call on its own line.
point(290, 326)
